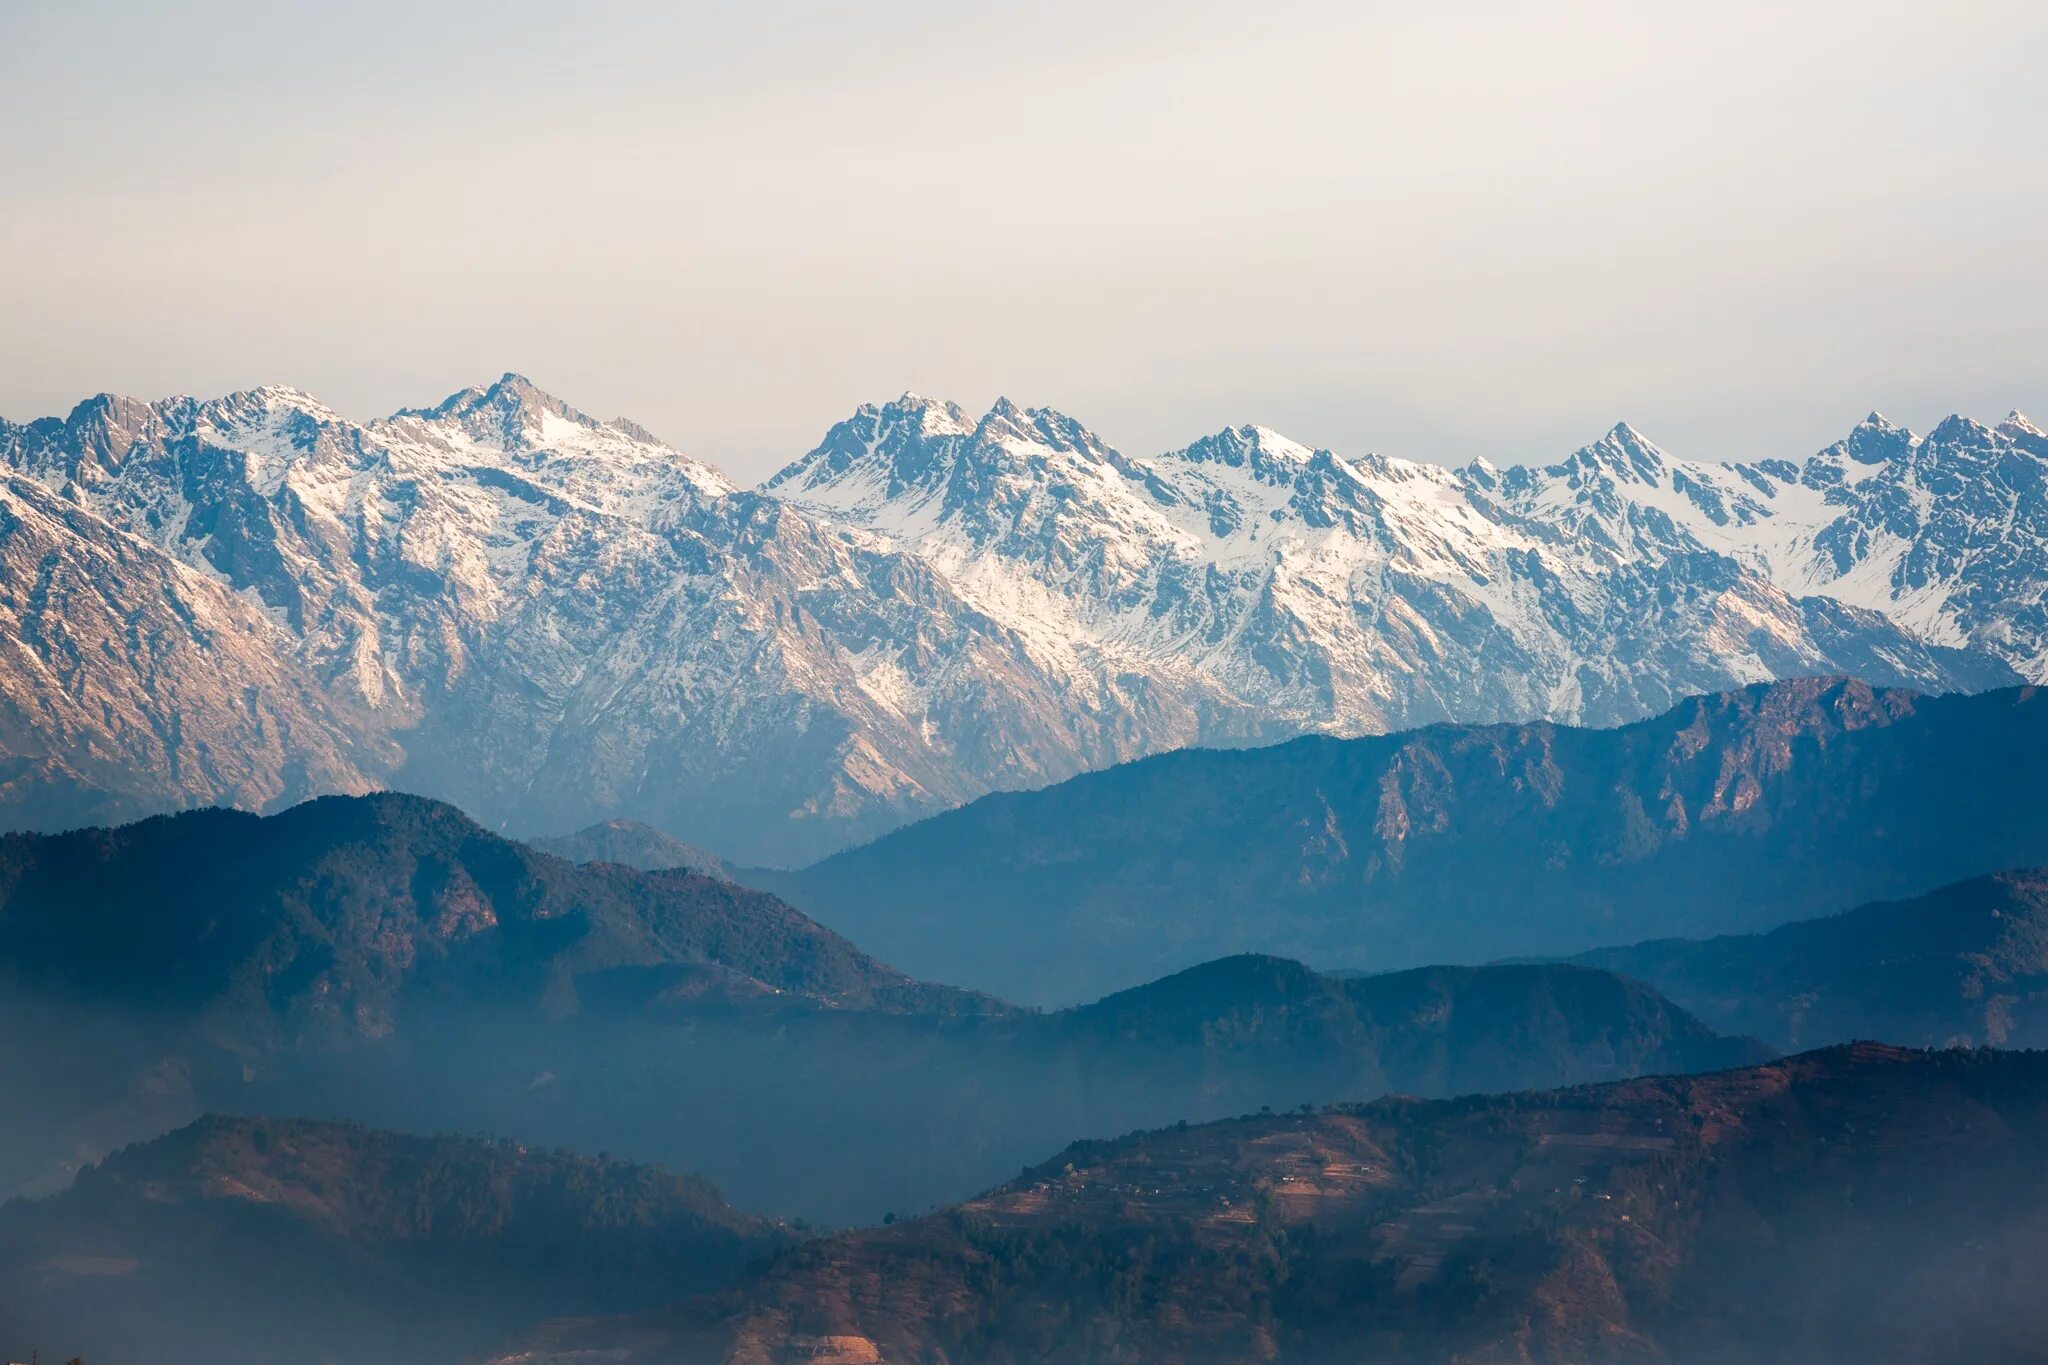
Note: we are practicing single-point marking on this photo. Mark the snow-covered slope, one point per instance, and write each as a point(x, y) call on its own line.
point(1282, 588)
point(550, 619)
point(1946, 534)
point(130, 682)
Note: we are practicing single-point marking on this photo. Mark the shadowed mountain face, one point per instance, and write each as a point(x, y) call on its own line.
point(201, 960)
point(1730, 813)
point(1965, 965)
point(297, 1242)
point(1858, 1204)
point(383, 960)
point(847, 1116)
point(632, 844)
point(1433, 1030)
point(318, 922)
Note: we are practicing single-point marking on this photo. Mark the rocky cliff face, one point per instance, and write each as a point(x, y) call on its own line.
point(1277, 589)
point(1727, 814)
point(131, 681)
point(552, 620)
point(546, 618)
point(1945, 534)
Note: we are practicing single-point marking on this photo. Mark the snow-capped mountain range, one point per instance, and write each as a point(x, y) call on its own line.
point(550, 619)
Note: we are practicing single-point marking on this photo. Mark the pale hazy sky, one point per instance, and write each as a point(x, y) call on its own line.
point(1376, 227)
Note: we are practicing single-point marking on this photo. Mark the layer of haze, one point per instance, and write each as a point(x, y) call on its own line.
point(1493, 230)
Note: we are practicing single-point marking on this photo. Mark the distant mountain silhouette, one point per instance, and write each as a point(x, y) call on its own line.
point(1964, 965)
point(322, 918)
point(1432, 1030)
point(1730, 813)
point(289, 1242)
point(384, 960)
point(632, 844)
point(847, 1115)
point(214, 958)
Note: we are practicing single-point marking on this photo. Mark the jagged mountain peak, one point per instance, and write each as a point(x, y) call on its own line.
point(110, 415)
point(102, 404)
point(879, 452)
point(126, 412)
point(1956, 429)
point(1009, 428)
point(1242, 445)
point(929, 453)
point(602, 463)
point(1622, 458)
point(278, 395)
point(1323, 489)
point(561, 620)
point(510, 389)
point(276, 410)
point(1876, 440)
point(511, 412)
point(934, 416)
point(1482, 474)
point(875, 429)
point(1625, 451)
point(116, 446)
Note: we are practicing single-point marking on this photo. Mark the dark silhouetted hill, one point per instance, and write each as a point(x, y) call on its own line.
point(633, 844)
point(1730, 813)
point(289, 1241)
point(1863, 1203)
point(1965, 965)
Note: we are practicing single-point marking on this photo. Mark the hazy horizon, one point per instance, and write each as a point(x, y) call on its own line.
point(1495, 234)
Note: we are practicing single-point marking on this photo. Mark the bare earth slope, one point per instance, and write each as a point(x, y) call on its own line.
point(1855, 1204)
